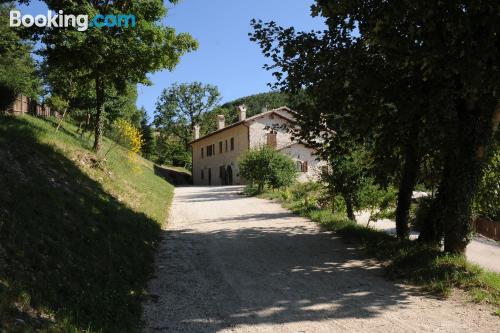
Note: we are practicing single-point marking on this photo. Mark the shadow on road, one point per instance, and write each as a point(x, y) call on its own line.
point(219, 279)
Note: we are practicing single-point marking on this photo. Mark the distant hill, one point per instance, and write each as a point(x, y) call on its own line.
point(255, 103)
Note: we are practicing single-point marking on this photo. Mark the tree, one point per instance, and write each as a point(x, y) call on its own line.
point(407, 75)
point(267, 166)
point(487, 200)
point(256, 103)
point(59, 104)
point(346, 174)
point(122, 104)
point(182, 106)
point(17, 68)
point(113, 57)
point(149, 140)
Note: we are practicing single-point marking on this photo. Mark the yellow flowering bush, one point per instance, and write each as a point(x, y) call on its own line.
point(130, 137)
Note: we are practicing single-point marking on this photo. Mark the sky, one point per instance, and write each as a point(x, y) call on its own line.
point(226, 57)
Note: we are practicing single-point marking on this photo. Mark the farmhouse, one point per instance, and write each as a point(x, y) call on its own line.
point(215, 156)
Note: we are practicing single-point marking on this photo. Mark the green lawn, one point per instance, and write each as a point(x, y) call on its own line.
point(77, 238)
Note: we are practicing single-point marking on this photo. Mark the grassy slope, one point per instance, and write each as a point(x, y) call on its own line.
point(76, 241)
point(407, 260)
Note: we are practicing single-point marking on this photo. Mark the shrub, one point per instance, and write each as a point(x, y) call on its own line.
point(266, 166)
point(420, 214)
point(381, 202)
point(128, 136)
point(487, 201)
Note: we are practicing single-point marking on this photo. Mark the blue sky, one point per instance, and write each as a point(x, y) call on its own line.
point(226, 57)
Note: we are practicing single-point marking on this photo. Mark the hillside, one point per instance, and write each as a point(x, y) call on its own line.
point(255, 103)
point(77, 237)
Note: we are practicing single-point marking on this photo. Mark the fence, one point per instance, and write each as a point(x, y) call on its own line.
point(24, 104)
point(487, 228)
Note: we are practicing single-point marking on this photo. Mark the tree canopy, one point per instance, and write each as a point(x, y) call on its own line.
point(17, 69)
point(112, 58)
point(410, 79)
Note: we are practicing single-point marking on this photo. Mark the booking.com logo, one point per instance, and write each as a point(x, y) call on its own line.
point(80, 22)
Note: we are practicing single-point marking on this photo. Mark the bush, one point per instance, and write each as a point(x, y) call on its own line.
point(419, 214)
point(266, 166)
point(381, 202)
point(128, 136)
point(487, 201)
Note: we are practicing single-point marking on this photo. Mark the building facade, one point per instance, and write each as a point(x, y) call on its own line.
point(215, 156)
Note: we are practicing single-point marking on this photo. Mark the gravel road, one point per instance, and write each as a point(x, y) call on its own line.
point(229, 263)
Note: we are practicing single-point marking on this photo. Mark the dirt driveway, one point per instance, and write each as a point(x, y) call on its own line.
point(234, 264)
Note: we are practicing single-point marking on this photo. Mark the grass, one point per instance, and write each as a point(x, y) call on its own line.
point(408, 260)
point(77, 237)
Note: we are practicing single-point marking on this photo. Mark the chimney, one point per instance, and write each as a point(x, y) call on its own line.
point(243, 112)
point(220, 121)
point(196, 132)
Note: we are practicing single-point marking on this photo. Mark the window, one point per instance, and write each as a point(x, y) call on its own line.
point(271, 140)
point(232, 143)
point(220, 147)
point(202, 175)
point(210, 150)
point(201, 152)
point(302, 166)
point(226, 146)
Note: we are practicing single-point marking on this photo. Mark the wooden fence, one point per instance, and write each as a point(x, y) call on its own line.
point(487, 228)
point(24, 104)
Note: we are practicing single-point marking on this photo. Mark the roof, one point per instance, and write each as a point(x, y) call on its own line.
point(297, 143)
point(242, 122)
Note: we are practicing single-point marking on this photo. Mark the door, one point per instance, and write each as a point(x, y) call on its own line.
point(229, 175)
point(222, 175)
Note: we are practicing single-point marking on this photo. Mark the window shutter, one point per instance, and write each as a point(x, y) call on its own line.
point(271, 140)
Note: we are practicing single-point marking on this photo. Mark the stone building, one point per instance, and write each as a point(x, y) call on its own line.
point(215, 156)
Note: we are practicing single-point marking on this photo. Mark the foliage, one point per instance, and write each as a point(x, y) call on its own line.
point(122, 104)
point(79, 259)
point(124, 133)
point(147, 131)
point(267, 166)
point(487, 201)
point(170, 151)
point(421, 213)
point(346, 174)
point(111, 58)
point(17, 68)
point(380, 202)
point(181, 106)
point(412, 90)
point(256, 103)
point(57, 103)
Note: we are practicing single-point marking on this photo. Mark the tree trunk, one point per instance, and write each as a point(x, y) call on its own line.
point(465, 161)
point(61, 120)
point(432, 230)
point(99, 119)
point(349, 209)
point(406, 185)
